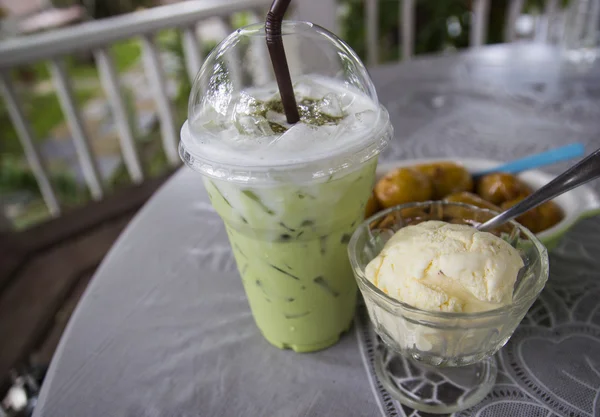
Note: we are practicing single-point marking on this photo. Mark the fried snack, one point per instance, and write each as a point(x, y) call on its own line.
point(403, 185)
point(496, 192)
point(447, 178)
point(550, 214)
point(472, 199)
point(531, 219)
point(499, 188)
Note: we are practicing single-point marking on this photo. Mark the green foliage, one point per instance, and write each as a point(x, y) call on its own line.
point(44, 113)
point(431, 18)
point(15, 175)
point(36, 212)
point(240, 19)
point(171, 41)
point(126, 53)
point(156, 163)
point(431, 24)
point(106, 8)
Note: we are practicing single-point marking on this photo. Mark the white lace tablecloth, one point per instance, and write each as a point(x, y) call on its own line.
point(164, 329)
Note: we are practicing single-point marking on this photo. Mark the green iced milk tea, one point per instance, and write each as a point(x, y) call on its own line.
point(290, 245)
point(290, 196)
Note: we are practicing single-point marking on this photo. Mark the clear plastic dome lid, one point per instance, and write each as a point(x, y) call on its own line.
point(237, 128)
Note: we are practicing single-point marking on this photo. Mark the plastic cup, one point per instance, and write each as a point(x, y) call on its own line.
point(290, 196)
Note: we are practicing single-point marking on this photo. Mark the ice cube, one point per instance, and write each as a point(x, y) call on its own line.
point(263, 93)
point(208, 112)
point(214, 127)
point(248, 105)
point(366, 117)
point(209, 121)
point(253, 125)
point(308, 88)
point(353, 124)
point(298, 137)
point(330, 105)
point(228, 133)
point(302, 90)
point(346, 101)
point(278, 118)
point(272, 96)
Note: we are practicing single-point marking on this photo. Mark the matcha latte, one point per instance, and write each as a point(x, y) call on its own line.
point(290, 196)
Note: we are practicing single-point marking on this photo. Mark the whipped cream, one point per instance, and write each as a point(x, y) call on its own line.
point(250, 129)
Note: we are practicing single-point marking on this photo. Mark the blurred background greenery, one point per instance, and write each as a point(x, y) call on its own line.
point(441, 25)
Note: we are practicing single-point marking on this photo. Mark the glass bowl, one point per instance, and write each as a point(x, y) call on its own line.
point(423, 349)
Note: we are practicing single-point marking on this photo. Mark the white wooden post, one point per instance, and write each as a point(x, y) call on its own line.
point(481, 13)
point(158, 84)
point(64, 91)
point(110, 81)
point(372, 26)
point(34, 159)
point(193, 53)
point(407, 28)
point(321, 12)
point(514, 10)
point(591, 33)
point(548, 21)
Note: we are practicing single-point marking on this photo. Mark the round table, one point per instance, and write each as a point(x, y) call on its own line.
point(165, 330)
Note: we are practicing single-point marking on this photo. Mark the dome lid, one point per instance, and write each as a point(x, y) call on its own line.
point(237, 129)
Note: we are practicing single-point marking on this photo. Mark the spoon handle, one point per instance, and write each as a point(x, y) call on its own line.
point(563, 153)
point(584, 171)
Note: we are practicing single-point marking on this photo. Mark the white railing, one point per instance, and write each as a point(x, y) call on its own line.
point(98, 36)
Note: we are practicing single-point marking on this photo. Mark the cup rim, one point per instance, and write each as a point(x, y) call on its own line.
point(516, 305)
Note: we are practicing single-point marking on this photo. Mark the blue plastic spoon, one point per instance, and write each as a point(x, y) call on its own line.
point(574, 150)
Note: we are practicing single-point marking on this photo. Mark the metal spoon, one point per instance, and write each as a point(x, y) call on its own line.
point(585, 171)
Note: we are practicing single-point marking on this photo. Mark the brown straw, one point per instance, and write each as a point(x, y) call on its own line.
point(278, 59)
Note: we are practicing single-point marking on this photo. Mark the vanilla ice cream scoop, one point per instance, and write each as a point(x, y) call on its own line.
point(439, 266)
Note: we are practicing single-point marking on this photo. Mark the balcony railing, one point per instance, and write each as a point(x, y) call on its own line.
point(98, 36)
